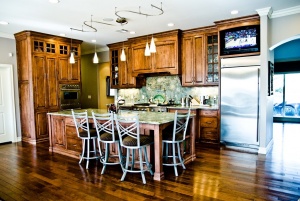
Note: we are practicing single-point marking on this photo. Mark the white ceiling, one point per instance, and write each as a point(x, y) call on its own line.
point(42, 16)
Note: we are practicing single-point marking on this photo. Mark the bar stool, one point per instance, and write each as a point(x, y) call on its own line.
point(107, 135)
point(174, 135)
point(130, 138)
point(84, 132)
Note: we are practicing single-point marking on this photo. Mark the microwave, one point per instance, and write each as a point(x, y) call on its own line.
point(70, 96)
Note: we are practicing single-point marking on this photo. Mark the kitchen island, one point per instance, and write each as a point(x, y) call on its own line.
point(63, 138)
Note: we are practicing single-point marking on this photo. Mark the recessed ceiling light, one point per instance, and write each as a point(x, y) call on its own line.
point(132, 32)
point(62, 34)
point(54, 1)
point(122, 31)
point(4, 23)
point(170, 24)
point(108, 19)
point(94, 40)
point(234, 12)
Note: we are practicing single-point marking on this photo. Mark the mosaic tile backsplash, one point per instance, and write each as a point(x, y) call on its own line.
point(168, 87)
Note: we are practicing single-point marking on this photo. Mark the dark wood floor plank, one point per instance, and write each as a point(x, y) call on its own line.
point(29, 172)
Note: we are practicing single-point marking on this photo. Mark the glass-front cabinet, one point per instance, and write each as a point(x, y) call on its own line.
point(212, 62)
point(114, 68)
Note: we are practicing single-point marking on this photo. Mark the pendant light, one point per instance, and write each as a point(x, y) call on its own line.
point(123, 56)
point(147, 50)
point(95, 59)
point(72, 59)
point(152, 45)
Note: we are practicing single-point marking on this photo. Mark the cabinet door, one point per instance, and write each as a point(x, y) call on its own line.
point(52, 71)
point(193, 61)
point(40, 82)
point(74, 70)
point(212, 60)
point(63, 63)
point(165, 58)
point(58, 130)
point(140, 62)
point(199, 61)
point(41, 125)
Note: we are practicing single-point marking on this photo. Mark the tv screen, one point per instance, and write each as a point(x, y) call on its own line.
point(240, 40)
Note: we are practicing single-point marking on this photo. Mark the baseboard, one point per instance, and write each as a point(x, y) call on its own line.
point(265, 150)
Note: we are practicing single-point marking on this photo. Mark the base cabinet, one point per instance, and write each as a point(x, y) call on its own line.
point(209, 127)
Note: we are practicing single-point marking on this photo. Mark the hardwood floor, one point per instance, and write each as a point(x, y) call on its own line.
point(33, 173)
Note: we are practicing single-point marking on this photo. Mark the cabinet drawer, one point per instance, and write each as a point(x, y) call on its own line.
point(74, 143)
point(208, 113)
point(210, 122)
point(209, 134)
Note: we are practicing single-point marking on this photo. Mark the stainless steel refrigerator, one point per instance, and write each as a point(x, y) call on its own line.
point(239, 101)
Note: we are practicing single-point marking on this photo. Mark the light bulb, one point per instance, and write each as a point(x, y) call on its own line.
point(123, 56)
point(72, 59)
point(152, 46)
point(147, 50)
point(95, 59)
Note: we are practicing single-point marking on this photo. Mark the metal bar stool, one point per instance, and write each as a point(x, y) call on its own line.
point(107, 135)
point(174, 135)
point(130, 138)
point(84, 132)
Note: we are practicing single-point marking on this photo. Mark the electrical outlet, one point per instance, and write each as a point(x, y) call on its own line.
point(89, 97)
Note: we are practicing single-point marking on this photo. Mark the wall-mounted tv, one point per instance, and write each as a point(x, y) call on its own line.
point(240, 40)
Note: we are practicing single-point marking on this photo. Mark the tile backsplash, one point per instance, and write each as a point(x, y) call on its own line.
point(168, 87)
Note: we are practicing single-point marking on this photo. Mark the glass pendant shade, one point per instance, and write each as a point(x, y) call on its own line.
point(123, 56)
point(72, 59)
point(147, 50)
point(152, 46)
point(95, 59)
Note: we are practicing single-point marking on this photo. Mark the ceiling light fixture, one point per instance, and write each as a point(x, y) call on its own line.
point(234, 12)
point(4, 23)
point(147, 49)
point(95, 59)
point(170, 24)
point(54, 1)
point(152, 45)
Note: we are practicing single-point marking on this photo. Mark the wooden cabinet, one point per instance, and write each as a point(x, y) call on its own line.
point(209, 127)
point(165, 60)
point(199, 54)
point(192, 53)
point(42, 61)
point(121, 71)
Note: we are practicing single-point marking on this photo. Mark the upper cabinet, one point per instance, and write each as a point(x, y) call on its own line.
point(121, 71)
point(200, 57)
point(165, 60)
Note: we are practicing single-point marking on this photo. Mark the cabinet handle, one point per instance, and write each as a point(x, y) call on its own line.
point(208, 132)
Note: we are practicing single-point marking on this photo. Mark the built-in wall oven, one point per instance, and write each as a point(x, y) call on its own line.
point(70, 96)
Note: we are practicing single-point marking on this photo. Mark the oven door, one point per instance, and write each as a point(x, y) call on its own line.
point(70, 99)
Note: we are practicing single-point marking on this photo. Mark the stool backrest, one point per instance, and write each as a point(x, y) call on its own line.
point(104, 123)
point(181, 122)
point(128, 126)
point(81, 122)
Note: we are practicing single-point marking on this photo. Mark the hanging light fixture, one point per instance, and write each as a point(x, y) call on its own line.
point(95, 59)
point(152, 45)
point(72, 59)
point(123, 56)
point(147, 50)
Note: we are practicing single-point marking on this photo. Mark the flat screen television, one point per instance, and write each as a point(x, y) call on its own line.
point(240, 40)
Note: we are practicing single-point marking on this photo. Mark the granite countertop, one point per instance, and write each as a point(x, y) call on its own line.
point(144, 117)
point(195, 107)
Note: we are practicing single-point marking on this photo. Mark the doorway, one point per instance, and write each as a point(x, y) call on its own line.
point(7, 108)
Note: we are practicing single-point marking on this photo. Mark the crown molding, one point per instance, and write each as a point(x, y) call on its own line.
point(285, 12)
point(265, 11)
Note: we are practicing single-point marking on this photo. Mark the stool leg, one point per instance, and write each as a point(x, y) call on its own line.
point(88, 154)
point(147, 161)
point(141, 166)
point(133, 159)
point(106, 157)
point(179, 155)
point(83, 151)
point(120, 155)
point(126, 166)
point(174, 159)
